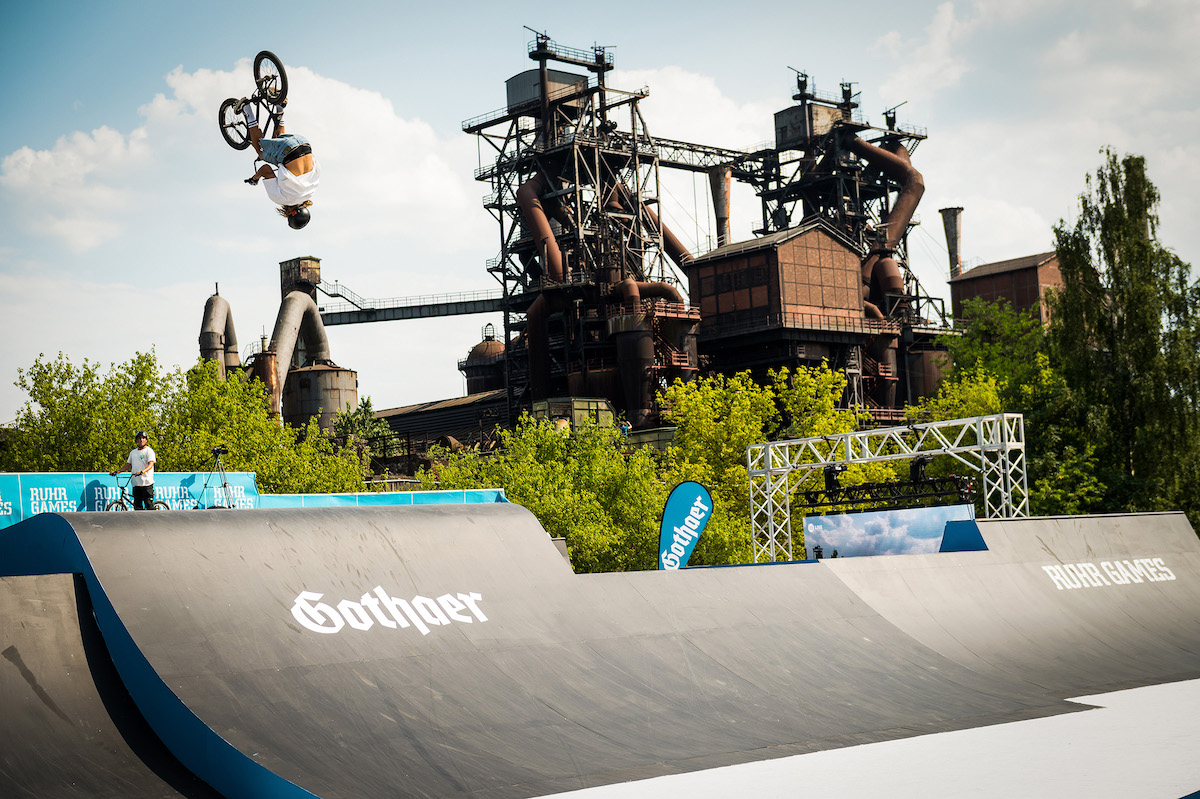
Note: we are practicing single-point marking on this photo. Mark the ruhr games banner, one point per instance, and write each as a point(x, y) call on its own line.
point(687, 513)
point(28, 494)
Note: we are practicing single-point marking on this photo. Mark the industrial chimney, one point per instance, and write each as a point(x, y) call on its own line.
point(719, 178)
point(952, 220)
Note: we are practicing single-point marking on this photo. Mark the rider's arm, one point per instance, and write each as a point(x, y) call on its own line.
point(264, 171)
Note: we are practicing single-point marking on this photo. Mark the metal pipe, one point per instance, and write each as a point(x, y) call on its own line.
point(896, 164)
point(530, 203)
point(673, 246)
point(635, 345)
point(218, 341)
point(298, 318)
point(720, 179)
point(952, 222)
point(880, 270)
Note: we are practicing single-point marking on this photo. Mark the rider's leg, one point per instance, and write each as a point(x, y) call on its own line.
point(252, 124)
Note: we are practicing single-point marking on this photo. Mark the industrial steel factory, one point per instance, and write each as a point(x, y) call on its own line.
point(603, 306)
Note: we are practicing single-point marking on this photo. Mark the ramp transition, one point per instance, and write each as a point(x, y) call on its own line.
point(450, 651)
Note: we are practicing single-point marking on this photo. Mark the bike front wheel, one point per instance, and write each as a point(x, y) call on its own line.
point(116, 504)
point(233, 126)
point(158, 504)
point(270, 77)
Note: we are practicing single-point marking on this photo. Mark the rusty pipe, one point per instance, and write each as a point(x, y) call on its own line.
point(674, 247)
point(631, 292)
point(635, 344)
point(896, 164)
point(537, 340)
point(620, 200)
point(298, 318)
point(218, 341)
point(530, 203)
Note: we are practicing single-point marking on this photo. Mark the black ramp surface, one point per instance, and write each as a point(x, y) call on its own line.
point(450, 651)
point(68, 727)
point(1073, 605)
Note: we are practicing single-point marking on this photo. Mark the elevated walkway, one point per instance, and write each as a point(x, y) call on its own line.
point(356, 309)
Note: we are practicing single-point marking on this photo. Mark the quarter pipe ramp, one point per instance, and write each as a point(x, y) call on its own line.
point(450, 650)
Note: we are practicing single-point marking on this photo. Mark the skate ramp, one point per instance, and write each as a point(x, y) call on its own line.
point(71, 729)
point(1073, 605)
point(450, 650)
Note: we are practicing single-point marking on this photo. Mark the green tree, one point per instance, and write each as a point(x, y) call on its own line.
point(79, 418)
point(718, 417)
point(369, 435)
point(1000, 340)
point(1000, 365)
point(360, 422)
point(1124, 336)
point(581, 485)
point(606, 500)
point(973, 391)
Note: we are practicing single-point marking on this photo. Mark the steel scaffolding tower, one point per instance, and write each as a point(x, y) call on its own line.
point(992, 445)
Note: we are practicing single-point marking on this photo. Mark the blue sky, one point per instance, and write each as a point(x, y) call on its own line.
point(122, 207)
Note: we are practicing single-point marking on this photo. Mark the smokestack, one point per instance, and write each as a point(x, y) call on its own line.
point(719, 178)
point(952, 220)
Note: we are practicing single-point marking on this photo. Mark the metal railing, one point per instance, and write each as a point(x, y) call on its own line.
point(365, 304)
point(804, 321)
point(574, 53)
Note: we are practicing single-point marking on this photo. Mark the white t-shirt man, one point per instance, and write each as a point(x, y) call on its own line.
point(288, 189)
point(141, 463)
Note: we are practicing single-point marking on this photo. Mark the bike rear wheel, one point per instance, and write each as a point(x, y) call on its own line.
point(270, 77)
point(158, 504)
point(233, 126)
point(116, 504)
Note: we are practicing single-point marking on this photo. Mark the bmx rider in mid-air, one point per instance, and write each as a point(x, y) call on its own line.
point(290, 172)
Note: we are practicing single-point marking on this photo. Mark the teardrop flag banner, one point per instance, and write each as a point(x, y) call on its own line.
point(684, 518)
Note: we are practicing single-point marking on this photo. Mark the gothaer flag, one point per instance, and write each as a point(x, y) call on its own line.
point(684, 518)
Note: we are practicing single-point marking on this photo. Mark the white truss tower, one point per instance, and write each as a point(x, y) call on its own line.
point(994, 446)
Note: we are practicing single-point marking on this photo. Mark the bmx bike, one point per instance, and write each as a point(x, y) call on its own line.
point(270, 92)
point(125, 501)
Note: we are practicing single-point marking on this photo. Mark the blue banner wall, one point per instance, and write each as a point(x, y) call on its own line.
point(686, 515)
point(907, 531)
point(27, 494)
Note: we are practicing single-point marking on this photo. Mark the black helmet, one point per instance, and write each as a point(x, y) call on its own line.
point(140, 434)
point(298, 217)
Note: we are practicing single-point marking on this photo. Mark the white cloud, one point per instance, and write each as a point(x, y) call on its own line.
point(924, 67)
point(68, 192)
point(691, 107)
point(109, 225)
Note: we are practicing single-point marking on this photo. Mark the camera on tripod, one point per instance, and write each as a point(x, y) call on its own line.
point(221, 450)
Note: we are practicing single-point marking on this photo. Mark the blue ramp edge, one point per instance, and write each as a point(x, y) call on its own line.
point(48, 544)
point(962, 536)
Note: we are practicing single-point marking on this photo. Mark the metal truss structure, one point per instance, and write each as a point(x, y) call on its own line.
point(892, 494)
point(992, 445)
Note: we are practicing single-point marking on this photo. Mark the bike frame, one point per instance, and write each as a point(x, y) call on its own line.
point(270, 94)
point(125, 500)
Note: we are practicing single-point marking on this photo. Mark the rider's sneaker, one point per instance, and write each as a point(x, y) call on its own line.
point(239, 105)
